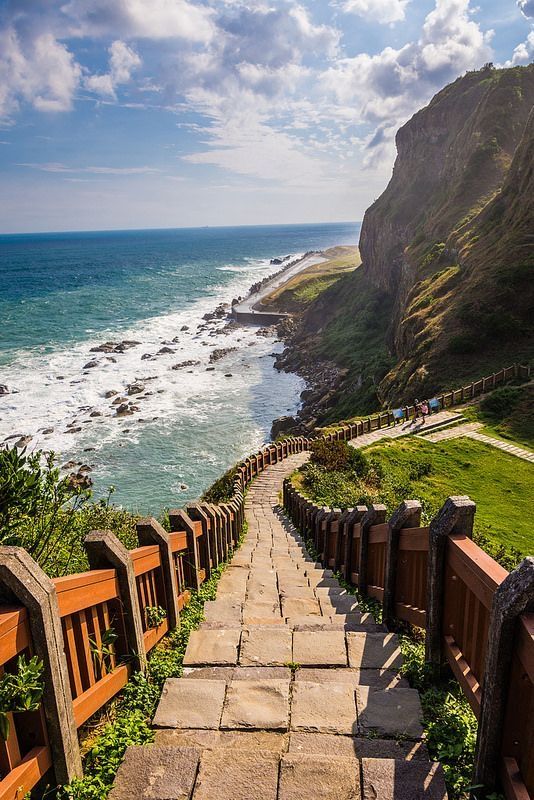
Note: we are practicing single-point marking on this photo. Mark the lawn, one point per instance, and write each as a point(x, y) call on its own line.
point(501, 485)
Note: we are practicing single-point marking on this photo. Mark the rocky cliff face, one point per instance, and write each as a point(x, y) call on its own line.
point(445, 289)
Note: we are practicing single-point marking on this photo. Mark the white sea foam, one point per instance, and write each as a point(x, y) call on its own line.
point(53, 391)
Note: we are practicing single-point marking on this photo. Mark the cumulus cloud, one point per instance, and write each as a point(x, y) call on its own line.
point(387, 88)
point(140, 19)
point(526, 7)
point(384, 11)
point(122, 62)
point(523, 53)
point(39, 70)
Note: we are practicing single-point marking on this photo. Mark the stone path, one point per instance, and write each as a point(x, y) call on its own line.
point(471, 430)
point(289, 691)
point(412, 428)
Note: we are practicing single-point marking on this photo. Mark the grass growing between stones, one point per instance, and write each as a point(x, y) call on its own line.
point(130, 714)
point(449, 723)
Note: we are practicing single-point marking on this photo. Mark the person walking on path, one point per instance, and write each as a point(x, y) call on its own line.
point(424, 410)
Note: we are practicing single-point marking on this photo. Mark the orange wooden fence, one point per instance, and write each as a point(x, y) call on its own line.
point(470, 581)
point(91, 605)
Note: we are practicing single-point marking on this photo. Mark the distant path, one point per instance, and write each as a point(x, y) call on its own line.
point(471, 430)
point(247, 311)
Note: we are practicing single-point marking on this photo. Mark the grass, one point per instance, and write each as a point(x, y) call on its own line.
point(302, 289)
point(501, 485)
point(508, 414)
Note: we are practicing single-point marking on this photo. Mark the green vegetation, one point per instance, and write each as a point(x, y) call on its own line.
point(500, 484)
point(355, 338)
point(507, 413)
point(222, 489)
point(132, 712)
point(302, 289)
point(449, 723)
point(20, 691)
point(49, 516)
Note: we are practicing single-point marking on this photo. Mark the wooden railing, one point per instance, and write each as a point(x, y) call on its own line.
point(477, 616)
point(25, 756)
point(73, 617)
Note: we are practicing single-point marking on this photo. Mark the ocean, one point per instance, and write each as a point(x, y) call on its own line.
point(63, 294)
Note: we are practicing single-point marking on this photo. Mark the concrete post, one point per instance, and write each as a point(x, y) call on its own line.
point(407, 515)
point(179, 521)
point(376, 515)
point(514, 596)
point(354, 518)
point(197, 513)
point(105, 551)
point(456, 516)
point(149, 531)
point(22, 581)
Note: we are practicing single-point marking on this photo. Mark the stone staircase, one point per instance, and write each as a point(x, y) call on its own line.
point(289, 691)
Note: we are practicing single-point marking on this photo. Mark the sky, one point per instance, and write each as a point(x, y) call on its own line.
point(118, 114)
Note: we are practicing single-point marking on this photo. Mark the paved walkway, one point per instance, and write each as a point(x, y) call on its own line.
point(289, 692)
point(412, 428)
point(471, 430)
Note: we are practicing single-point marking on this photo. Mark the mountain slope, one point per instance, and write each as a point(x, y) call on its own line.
point(445, 288)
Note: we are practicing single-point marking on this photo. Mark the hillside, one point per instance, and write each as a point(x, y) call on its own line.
point(444, 290)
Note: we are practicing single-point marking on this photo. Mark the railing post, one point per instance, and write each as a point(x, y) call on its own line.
point(354, 518)
point(376, 515)
point(179, 521)
point(197, 513)
point(23, 581)
point(105, 551)
point(149, 531)
point(407, 515)
point(514, 596)
point(456, 516)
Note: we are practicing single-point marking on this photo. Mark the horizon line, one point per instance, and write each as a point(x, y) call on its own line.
point(176, 228)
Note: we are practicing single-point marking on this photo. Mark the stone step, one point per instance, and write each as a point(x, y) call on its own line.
point(430, 427)
point(224, 771)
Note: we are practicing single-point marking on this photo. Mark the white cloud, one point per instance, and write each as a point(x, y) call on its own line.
point(387, 88)
point(140, 19)
point(38, 70)
point(245, 144)
point(122, 62)
point(383, 11)
point(526, 7)
point(53, 166)
point(523, 53)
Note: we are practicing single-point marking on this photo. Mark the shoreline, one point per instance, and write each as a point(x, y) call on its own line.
point(247, 311)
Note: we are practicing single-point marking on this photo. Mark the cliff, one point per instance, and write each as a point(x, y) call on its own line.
point(445, 288)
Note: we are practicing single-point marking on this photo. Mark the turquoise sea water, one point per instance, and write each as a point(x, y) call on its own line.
point(62, 294)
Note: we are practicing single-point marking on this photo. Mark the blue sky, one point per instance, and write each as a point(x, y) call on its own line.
point(169, 113)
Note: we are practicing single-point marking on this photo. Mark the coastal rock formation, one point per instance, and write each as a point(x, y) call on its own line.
point(221, 352)
point(446, 278)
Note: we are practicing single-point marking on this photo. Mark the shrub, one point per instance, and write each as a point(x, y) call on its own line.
point(222, 489)
point(462, 344)
point(501, 402)
point(338, 457)
point(48, 516)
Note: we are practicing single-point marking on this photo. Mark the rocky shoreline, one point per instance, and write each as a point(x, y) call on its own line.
point(132, 398)
point(323, 380)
